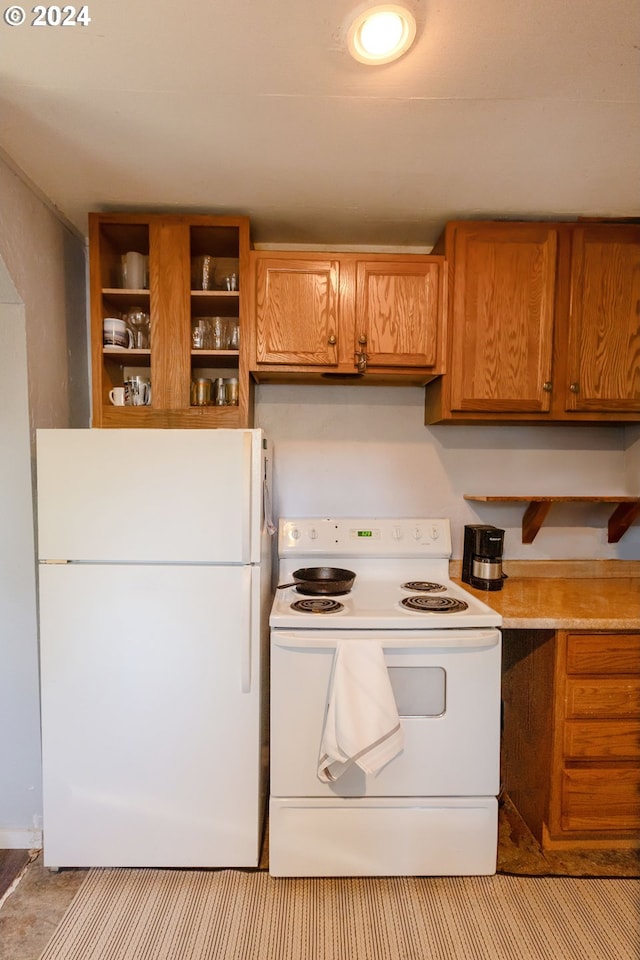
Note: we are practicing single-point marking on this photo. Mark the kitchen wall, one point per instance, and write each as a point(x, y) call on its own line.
point(43, 382)
point(353, 450)
point(46, 262)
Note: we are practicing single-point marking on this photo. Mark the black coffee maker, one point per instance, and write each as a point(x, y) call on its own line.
point(482, 557)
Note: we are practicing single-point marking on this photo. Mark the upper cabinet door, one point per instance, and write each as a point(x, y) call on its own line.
point(399, 312)
point(604, 320)
point(502, 317)
point(297, 311)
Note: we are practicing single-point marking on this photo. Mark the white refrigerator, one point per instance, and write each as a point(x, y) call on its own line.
point(154, 592)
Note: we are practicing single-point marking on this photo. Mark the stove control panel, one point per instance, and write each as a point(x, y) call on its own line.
point(364, 537)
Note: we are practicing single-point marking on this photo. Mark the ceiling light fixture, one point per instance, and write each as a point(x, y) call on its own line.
point(381, 34)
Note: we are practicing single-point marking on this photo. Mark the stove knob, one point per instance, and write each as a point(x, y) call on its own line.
point(396, 533)
point(295, 533)
point(435, 533)
point(417, 533)
point(313, 534)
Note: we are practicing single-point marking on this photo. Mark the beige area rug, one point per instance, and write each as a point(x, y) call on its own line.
point(236, 915)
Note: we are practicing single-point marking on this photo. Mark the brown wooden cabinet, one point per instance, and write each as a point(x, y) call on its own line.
point(175, 302)
point(544, 323)
point(503, 296)
point(603, 340)
point(320, 317)
point(571, 743)
point(595, 784)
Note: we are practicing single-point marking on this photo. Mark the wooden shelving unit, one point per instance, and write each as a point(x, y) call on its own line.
point(626, 510)
point(174, 302)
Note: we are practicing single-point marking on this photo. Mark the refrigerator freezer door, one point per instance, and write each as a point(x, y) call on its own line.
point(151, 749)
point(149, 496)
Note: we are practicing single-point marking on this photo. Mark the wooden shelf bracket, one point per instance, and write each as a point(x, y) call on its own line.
point(622, 518)
point(534, 516)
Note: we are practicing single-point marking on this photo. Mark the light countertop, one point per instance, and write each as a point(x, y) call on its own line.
point(598, 603)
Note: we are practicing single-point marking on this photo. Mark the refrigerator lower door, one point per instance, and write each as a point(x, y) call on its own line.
point(151, 715)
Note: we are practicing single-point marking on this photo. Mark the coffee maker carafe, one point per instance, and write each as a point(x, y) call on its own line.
point(482, 557)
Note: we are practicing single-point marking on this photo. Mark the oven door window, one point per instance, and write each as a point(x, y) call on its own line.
point(419, 691)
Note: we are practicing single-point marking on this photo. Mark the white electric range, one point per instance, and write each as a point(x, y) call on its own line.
point(432, 810)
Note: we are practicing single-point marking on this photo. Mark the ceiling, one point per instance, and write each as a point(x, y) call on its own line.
point(507, 108)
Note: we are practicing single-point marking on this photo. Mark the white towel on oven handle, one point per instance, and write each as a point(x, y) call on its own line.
point(361, 725)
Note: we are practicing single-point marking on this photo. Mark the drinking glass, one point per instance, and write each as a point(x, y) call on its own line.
point(219, 333)
point(139, 323)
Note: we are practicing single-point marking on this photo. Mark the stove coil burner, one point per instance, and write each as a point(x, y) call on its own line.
point(423, 586)
point(434, 604)
point(317, 605)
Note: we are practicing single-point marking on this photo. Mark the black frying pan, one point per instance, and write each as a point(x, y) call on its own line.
point(321, 581)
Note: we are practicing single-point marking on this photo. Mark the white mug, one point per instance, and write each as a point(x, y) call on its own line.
point(134, 271)
point(116, 396)
point(116, 333)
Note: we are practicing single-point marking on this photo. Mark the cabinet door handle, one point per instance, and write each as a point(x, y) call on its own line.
point(362, 339)
point(547, 386)
point(332, 340)
point(574, 387)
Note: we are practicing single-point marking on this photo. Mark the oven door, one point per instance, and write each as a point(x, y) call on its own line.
point(447, 688)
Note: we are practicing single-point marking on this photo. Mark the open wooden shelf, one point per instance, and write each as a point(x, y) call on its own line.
point(627, 509)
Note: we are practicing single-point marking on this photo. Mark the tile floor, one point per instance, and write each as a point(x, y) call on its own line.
point(31, 911)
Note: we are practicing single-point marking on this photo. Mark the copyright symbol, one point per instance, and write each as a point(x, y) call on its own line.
point(14, 16)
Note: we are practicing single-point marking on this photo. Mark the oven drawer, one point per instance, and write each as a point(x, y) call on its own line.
point(451, 836)
point(448, 696)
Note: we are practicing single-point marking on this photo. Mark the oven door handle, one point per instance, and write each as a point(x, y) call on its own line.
point(403, 639)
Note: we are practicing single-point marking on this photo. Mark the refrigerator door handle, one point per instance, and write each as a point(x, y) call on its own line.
point(245, 664)
point(266, 507)
point(251, 617)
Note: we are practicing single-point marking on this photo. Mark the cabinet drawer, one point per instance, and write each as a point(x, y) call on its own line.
point(603, 653)
point(603, 698)
point(602, 739)
point(604, 799)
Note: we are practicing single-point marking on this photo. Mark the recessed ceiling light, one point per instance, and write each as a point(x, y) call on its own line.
point(381, 34)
